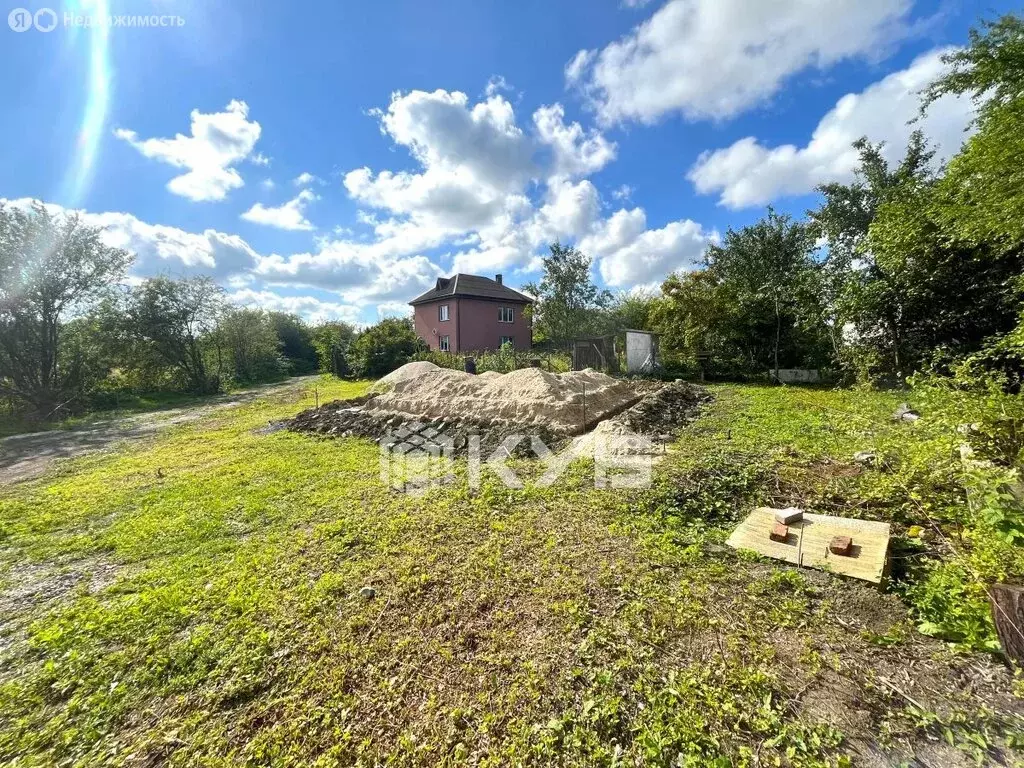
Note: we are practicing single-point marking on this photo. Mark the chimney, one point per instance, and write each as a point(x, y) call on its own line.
point(497, 278)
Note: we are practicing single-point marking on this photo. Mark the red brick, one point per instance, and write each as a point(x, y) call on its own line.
point(779, 532)
point(841, 545)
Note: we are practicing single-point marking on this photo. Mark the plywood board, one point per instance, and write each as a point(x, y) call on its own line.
point(808, 542)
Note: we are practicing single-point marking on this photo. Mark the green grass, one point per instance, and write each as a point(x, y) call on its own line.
point(195, 600)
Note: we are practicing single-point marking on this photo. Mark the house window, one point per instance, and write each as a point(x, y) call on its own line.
point(444, 345)
point(442, 313)
point(510, 340)
point(505, 315)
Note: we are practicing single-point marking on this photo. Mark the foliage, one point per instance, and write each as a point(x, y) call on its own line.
point(569, 303)
point(990, 67)
point(51, 267)
point(381, 348)
point(296, 339)
point(250, 342)
point(331, 341)
point(751, 305)
point(499, 360)
point(170, 321)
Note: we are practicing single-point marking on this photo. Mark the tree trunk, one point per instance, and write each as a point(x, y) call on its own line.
point(1008, 614)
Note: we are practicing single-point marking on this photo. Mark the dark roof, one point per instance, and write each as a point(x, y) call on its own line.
point(471, 285)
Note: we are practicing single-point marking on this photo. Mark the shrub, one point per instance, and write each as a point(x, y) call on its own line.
point(383, 347)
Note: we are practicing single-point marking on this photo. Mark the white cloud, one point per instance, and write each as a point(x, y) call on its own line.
point(267, 183)
point(159, 248)
point(577, 66)
point(290, 215)
point(475, 163)
point(750, 173)
point(717, 58)
point(218, 142)
point(628, 253)
point(624, 192)
point(306, 178)
point(394, 309)
point(634, 3)
point(312, 309)
point(496, 85)
point(575, 151)
point(361, 273)
point(259, 159)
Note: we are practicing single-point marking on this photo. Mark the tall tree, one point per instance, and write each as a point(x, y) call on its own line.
point(172, 320)
point(250, 340)
point(854, 288)
point(332, 340)
point(569, 303)
point(761, 269)
point(296, 342)
point(51, 267)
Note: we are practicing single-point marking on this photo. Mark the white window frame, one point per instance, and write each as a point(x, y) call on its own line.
point(502, 340)
point(442, 313)
point(511, 314)
point(445, 344)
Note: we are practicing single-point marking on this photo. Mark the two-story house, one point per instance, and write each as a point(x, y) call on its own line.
point(468, 312)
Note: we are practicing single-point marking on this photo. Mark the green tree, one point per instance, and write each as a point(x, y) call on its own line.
point(51, 267)
point(981, 198)
point(691, 316)
point(172, 322)
point(631, 310)
point(331, 340)
point(250, 341)
point(569, 303)
point(383, 347)
point(853, 288)
point(296, 338)
point(762, 270)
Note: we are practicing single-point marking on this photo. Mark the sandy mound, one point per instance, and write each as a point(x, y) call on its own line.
point(406, 372)
point(559, 401)
point(487, 375)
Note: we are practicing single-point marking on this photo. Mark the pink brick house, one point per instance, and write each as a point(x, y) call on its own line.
point(465, 313)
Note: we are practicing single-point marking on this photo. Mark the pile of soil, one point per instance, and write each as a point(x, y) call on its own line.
point(407, 372)
point(348, 418)
point(562, 403)
point(659, 415)
point(656, 419)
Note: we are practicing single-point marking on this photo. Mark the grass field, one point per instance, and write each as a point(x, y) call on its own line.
point(194, 600)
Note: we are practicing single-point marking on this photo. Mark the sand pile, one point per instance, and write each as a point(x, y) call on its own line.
point(561, 402)
point(406, 372)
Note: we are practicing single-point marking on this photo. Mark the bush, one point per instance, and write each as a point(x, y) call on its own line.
point(502, 360)
point(383, 347)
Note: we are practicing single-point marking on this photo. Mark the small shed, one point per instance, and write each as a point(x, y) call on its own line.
point(597, 352)
point(641, 352)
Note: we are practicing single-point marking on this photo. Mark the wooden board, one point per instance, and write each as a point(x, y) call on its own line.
point(809, 539)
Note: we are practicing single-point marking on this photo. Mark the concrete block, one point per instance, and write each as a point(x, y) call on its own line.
point(789, 515)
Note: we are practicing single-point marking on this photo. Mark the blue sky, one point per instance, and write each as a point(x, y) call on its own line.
point(334, 158)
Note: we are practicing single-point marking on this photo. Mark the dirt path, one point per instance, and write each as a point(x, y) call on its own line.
point(23, 457)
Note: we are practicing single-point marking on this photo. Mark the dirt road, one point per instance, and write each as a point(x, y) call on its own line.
point(23, 457)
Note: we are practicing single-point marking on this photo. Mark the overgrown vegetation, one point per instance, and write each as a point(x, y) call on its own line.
point(500, 360)
point(196, 600)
